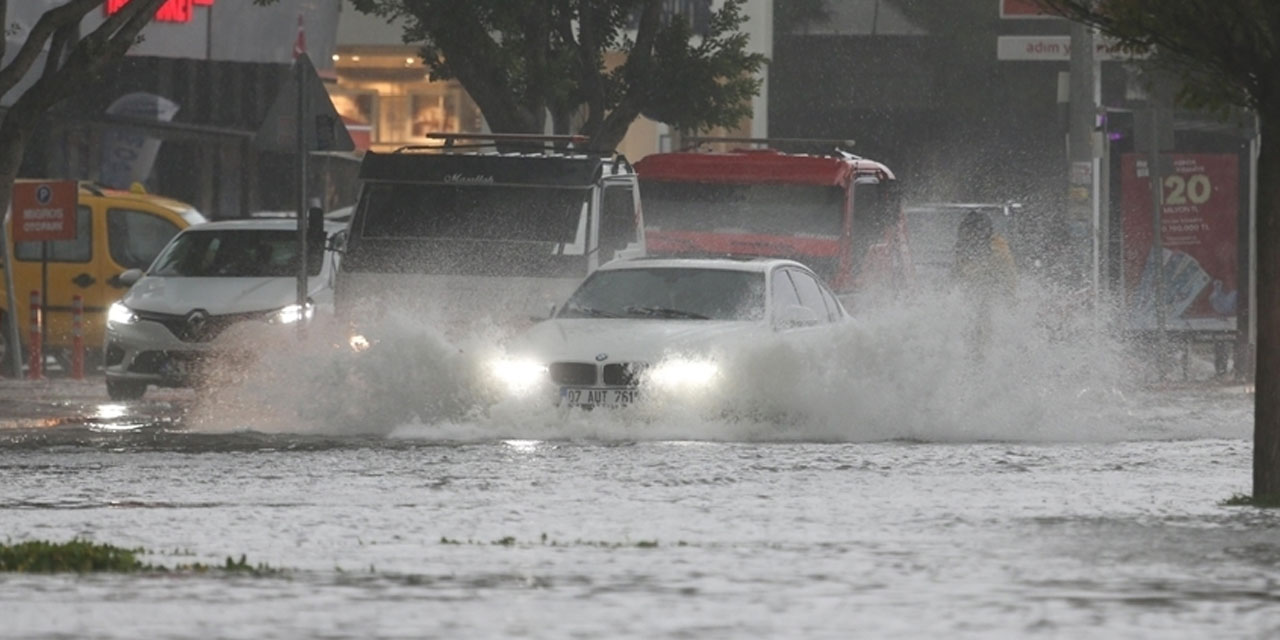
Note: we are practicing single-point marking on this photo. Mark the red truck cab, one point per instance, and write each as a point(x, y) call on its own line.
point(839, 214)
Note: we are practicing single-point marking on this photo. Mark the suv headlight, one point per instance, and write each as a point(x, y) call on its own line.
point(292, 313)
point(117, 313)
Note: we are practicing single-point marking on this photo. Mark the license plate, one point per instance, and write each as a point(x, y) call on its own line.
point(586, 397)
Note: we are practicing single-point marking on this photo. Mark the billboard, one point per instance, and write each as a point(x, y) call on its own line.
point(1199, 252)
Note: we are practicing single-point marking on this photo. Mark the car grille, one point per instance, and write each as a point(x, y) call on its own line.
point(626, 374)
point(573, 373)
point(204, 330)
point(620, 374)
point(154, 362)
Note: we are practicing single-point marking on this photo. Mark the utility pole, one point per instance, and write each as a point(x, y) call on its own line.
point(1082, 113)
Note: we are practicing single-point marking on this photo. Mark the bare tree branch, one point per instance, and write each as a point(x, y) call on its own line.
point(105, 43)
point(46, 26)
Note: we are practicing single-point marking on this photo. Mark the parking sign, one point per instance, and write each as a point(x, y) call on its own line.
point(44, 211)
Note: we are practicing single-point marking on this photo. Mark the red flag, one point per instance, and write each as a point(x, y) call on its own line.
point(300, 43)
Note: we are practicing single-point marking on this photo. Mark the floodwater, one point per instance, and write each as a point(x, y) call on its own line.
point(905, 492)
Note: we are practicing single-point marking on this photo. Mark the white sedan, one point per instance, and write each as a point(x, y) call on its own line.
point(641, 328)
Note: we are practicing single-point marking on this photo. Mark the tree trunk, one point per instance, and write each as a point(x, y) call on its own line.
point(1266, 421)
point(13, 133)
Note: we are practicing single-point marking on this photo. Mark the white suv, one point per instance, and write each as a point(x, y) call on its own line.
point(208, 280)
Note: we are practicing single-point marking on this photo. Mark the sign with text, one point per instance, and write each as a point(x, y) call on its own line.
point(44, 211)
point(170, 11)
point(1054, 49)
point(1198, 228)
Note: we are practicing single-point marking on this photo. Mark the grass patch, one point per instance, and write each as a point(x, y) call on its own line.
point(83, 556)
point(1242, 500)
point(77, 556)
point(510, 541)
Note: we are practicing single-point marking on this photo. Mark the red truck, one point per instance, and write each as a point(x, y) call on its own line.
point(839, 214)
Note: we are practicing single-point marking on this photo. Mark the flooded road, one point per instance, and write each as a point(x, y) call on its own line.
point(421, 533)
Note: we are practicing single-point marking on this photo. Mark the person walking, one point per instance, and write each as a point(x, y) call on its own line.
point(984, 271)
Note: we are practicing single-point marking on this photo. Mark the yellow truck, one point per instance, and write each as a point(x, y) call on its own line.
point(115, 230)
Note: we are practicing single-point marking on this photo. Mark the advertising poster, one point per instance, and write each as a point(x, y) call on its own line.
point(128, 155)
point(1199, 254)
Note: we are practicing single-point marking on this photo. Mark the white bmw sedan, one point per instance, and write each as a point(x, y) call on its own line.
point(214, 287)
point(637, 328)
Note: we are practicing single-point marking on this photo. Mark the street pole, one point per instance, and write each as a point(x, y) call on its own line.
point(1156, 178)
point(299, 69)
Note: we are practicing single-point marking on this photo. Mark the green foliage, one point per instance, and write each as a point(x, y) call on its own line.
point(83, 556)
point(520, 60)
point(1242, 500)
point(543, 540)
point(76, 556)
point(1226, 52)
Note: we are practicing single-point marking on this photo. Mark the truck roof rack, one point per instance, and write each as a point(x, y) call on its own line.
point(694, 141)
point(490, 139)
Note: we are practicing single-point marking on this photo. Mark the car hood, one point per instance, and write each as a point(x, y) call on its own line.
point(626, 339)
point(218, 296)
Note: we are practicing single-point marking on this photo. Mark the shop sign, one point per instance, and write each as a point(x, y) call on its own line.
point(171, 11)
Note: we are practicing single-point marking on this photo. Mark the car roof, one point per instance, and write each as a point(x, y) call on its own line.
point(758, 265)
point(262, 224)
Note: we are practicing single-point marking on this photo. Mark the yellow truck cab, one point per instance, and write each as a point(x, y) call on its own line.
point(115, 230)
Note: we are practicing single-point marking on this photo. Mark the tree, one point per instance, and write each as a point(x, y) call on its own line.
point(522, 60)
point(70, 61)
point(1227, 53)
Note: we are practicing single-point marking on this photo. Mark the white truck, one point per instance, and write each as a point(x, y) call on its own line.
point(463, 234)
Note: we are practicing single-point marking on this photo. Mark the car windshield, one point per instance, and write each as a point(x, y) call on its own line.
point(669, 293)
point(235, 253)
point(474, 212)
point(767, 209)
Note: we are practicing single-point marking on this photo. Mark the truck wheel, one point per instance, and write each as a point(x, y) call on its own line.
point(125, 389)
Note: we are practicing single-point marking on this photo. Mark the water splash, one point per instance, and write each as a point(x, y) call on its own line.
point(904, 369)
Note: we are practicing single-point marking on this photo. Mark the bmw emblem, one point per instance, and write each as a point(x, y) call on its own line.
point(601, 357)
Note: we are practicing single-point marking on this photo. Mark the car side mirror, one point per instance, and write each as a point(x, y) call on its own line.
point(797, 316)
point(128, 277)
point(337, 243)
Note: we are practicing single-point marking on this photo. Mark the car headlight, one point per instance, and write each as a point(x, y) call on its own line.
point(518, 376)
point(683, 373)
point(119, 314)
point(292, 313)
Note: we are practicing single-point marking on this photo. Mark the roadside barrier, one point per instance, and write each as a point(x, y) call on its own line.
point(35, 366)
point(77, 338)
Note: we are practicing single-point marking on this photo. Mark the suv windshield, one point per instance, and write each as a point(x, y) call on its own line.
point(242, 253)
point(669, 293)
point(769, 209)
point(476, 212)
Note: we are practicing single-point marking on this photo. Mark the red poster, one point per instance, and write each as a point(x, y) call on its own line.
point(1199, 255)
point(1022, 9)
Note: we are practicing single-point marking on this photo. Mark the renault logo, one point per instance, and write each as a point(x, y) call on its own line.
point(196, 321)
point(601, 357)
